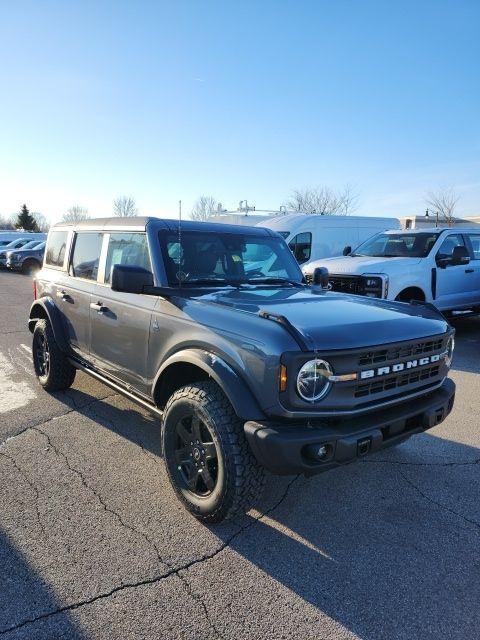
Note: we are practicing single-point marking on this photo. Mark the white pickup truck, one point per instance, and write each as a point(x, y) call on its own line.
point(440, 266)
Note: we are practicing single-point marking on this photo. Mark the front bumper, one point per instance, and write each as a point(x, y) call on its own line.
point(286, 448)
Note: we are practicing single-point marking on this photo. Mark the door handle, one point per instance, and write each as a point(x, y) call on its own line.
point(469, 270)
point(98, 307)
point(63, 295)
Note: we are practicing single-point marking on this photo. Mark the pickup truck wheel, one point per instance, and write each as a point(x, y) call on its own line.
point(30, 266)
point(207, 457)
point(53, 370)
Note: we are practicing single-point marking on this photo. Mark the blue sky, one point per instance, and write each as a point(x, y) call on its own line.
point(169, 100)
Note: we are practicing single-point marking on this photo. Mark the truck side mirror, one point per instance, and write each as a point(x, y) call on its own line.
point(347, 250)
point(460, 255)
point(320, 277)
point(130, 278)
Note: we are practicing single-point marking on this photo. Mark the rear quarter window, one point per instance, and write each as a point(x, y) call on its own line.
point(56, 247)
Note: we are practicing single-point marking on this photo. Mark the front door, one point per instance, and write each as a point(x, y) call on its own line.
point(120, 322)
point(452, 280)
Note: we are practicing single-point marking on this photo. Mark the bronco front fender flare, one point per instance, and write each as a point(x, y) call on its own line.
point(232, 385)
point(46, 308)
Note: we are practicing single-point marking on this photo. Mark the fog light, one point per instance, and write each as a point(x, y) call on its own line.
point(319, 452)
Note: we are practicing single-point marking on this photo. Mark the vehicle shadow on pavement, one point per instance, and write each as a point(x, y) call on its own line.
point(388, 548)
point(23, 591)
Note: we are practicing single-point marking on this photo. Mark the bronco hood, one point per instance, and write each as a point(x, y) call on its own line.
point(330, 320)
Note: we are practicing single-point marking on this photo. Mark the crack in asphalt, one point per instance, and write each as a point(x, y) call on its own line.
point(440, 505)
point(32, 487)
point(155, 579)
point(151, 543)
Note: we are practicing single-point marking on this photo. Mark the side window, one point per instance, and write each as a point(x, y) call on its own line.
point(127, 248)
point(301, 246)
point(86, 255)
point(56, 246)
point(475, 241)
point(448, 245)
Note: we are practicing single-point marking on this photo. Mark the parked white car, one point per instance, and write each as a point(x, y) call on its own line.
point(311, 236)
point(440, 266)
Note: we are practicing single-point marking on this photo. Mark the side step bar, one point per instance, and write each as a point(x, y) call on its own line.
point(118, 388)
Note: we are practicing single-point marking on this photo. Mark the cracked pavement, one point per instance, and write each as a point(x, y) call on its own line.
point(94, 544)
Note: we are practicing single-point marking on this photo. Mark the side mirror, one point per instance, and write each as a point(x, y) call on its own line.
point(130, 278)
point(320, 277)
point(347, 250)
point(460, 255)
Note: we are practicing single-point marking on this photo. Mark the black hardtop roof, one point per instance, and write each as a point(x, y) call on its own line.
point(141, 222)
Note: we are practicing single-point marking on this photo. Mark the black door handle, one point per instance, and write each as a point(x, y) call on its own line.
point(469, 270)
point(98, 307)
point(63, 295)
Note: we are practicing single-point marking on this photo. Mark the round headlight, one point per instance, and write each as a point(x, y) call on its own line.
point(449, 351)
point(312, 380)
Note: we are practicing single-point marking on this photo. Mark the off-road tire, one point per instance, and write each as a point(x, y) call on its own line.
point(240, 478)
point(61, 373)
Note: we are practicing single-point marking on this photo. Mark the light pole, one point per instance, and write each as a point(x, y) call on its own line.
point(427, 215)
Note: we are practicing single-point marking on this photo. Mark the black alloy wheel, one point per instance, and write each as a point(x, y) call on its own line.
point(41, 354)
point(196, 456)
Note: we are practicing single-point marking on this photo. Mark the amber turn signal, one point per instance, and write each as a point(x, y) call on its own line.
point(282, 380)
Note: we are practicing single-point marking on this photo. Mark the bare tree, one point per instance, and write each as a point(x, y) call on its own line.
point(124, 207)
point(444, 201)
point(6, 224)
point(349, 198)
point(203, 208)
point(323, 201)
point(42, 223)
point(76, 214)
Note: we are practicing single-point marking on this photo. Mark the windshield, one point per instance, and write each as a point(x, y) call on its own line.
point(32, 244)
point(219, 259)
point(398, 245)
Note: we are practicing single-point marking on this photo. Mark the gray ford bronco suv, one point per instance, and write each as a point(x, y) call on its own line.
point(213, 328)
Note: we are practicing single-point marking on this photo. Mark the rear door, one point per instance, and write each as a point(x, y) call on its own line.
point(120, 322)
point(76, 287)
point(453, 281)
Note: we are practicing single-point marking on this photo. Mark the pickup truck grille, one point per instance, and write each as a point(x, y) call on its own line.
point(379, 356)
point(346, 284)
point(396, 382)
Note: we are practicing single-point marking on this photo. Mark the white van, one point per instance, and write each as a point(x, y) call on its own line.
point(9, 236)
point(311, 236)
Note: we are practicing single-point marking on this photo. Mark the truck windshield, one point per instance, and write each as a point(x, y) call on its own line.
point(219, 259)
point(397, 245)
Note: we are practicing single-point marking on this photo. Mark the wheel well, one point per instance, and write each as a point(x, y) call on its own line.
point(37, 313)
point(174, 377)
point(411, 293)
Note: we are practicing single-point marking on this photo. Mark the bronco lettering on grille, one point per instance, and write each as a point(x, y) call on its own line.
point(400, 366)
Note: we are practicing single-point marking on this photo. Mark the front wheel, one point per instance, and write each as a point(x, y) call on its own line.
point(30, 267)
point(208, 460)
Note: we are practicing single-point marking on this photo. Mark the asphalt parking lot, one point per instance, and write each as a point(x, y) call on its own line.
point(93, 543)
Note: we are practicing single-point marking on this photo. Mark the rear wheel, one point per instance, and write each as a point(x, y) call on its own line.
point(206, 454)
point(30, 267)
point(53, 370)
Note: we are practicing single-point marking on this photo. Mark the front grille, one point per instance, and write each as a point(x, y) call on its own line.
point(395, 382)
point(398, 352)
point(346, 284)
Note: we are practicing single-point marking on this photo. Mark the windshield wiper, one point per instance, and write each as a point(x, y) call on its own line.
point(206, 281)
point(272, 280)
